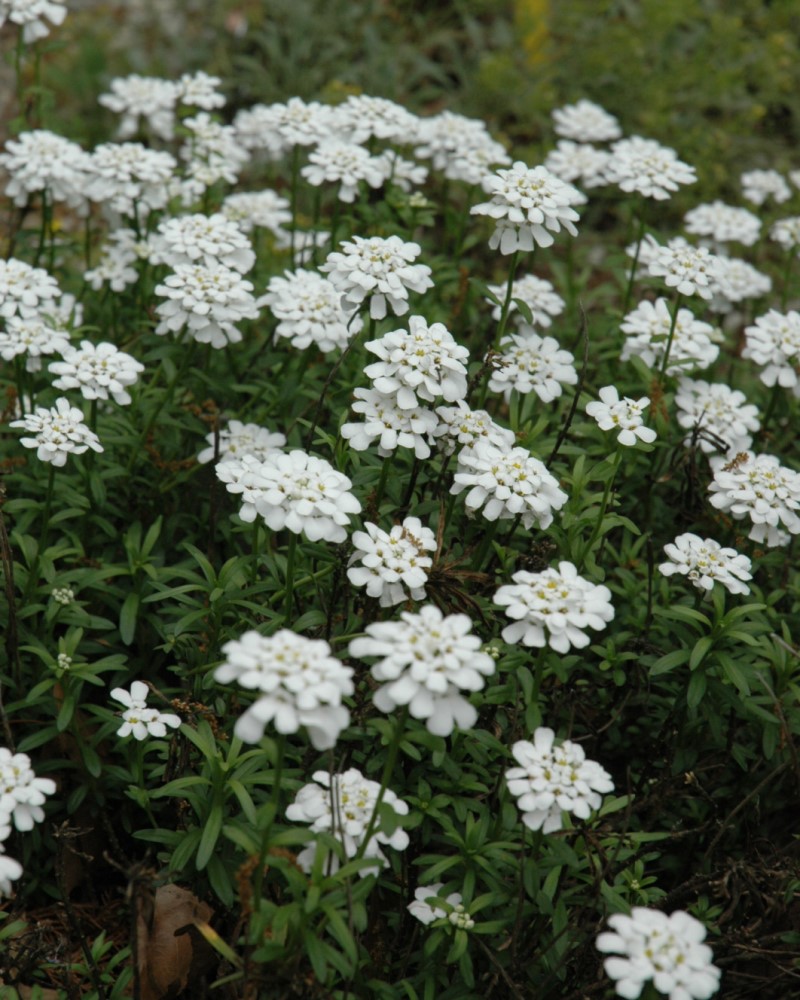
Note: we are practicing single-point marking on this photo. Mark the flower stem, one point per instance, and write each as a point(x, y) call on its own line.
point(388, 767)
point(277, 773)
point(290, 560)
point(603, 507)
point(787, 273)
point(501, 326)
point(632, 276)
point(665, 360)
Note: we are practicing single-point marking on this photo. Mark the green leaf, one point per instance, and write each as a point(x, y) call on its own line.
point(127, 617)
point(696, 689)
point(701, 649)
point(668, 662)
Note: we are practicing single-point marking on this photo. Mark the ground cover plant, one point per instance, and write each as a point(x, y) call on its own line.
point(397, 551)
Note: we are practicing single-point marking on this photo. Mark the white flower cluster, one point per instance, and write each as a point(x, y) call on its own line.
point(774, 343)
point(759, 185)
point(390, 425)
point(342, 805)
point(211, 154)
point(30, 16)
point(647, 331)
point(29, 292)
point(758, 487)
point(460, 147)
point(32, 338)
point(257, 209)
point(392, 565)
point(721, 412)
point(238, 439)
point(426, 911)
point(22, 796)
point(129, 178)
point(309, 310)
point(530, 363)
point(58, 432)
point(426, 661)
point(210, 240)
point(585, 121)
point(786, 232)
point(206, 300)
point(553, 608)
point(460, 427)
point(649, 946)
point(292, 490)
point(298, 682)
point(536, 293)
point(648, 168)
point(337, 161)
point(41, 161)
point(121, 250)
point(705, 562)
point(507, 483)
point(552, 780)
point(723, 223)
point(362, 117)
point(138, 97)
point(736, 280)
point(528, 205)
point(623, 415)
point(690, 270)
point(138, 719)
point(100, 371)
point(578, 163)
point(381, 270)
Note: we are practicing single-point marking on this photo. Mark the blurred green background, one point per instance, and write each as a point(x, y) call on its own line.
point(719, 80)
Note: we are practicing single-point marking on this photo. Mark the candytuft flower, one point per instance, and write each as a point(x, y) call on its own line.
point(759, 185)
point(647, 332)
point(723, 223)
point(553, 608)
point(705, 561)
point(667, 950)
point(552, 780)
point(392, 426)
point(344, 163)
point(585, 121)
point(30, 15)
point(774, 344)
point(424, 907)
point(343, 805)
point(392, 566)
point(100, 371)
point(426, 661)
point(624, 415)
point(59, 432)
point(719, 417)
point(647, 167)
point(238, 439)
point(691, 270)
point(208, 300)
point(299, 684)
point(530, 363)
point(537, 294)
point(758, 487)
point(140, 721)
point(309, 310)
point(22, 794)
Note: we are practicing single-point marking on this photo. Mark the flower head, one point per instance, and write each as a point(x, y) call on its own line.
point(553, 608)
point(299, 684)
point(137, 719)
point(129, 177)
point(460, 427)
point(719, 417)
point(100, 371)
point(44, 161)
point(30, 16)
point(392, 565)
point(29, 292)
point(59, 432)
point(238, 439)
point(392, 426)
point(773, 342)
point(759, 185)
point(705, 561)
point(262, 209)
point(530, 363)
point(528, 206)
point(552, 780)
point(667, 950)
point(362, 117)
point(22, 794)
point(381, 270)
point(623, 415)
point(211, 240)
point(786, 232)
point(344, 163)
point(723, 223)
point(343, 805)
point(426, 661)
point(691, 270)
point(537, 294)
point(734, 281)
point(507, 483)
point(309, 310)
point(647, 332)
point(10, 871)
point(136, 97)
point(207, 300)
point(578, 163)
point(32, 338)
point(425, 910)
point(585, 122)
point(647, 167)
point(759, 488)
point(292, 490)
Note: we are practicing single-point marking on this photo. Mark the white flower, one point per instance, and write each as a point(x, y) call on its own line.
point(645, 252)
point(43, 161)
point(60, 431)
point(624, 415)
point(30, 14)
point(22, 794)
point(426, 661)
point(208, 300)
point(472, 164)
point(528, 205)
point(759, 185)
point(129, 177)
point(665, 949)
point(121, 250)
point(552, 780)
point(381, 270)
point(238, 439)
point(10, 871)
point(786, 232)
point(585, 122)
point(310, 311)
point(202, 239)
point(255, 130)
point(445, 137)
point(296, 123)
point(404, 174)
point(537, 294)
point(723, 413)
point(98, 370)
point(199, 90)
point(423, 363)
point(734, 281)
point(361, 117)
point(345, 163)
point(212, 153)
point(723, 223)
point(553, 608)
point(427, 911)
point(263, 209)
point(139, 720)
point(393, 565)
point(147, 97)
point(758, 487)
point(647, 330)
point(647, 167)
point(705, 561)
point(300, 684)
point(530, 363)
point(578, 162)
point(63, 595)
point(26, 291)
point(292, 490)
point(33, 339)
point(459, 425)
point(691, 270)
point(506, 484)
point(306, 243)
point(343, 806)
point(392, 426)
point(774, 343)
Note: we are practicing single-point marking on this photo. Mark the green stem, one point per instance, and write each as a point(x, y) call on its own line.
point(665, 360)
point(33, 576)
point(256, 530)
point(388, 768)
point(293, 196)
point(501, 326)
point(43, 227)
point(290, 561)
point(385, 466)
point(273, 810)
point(603, 507)
point(787, 272)
point(632, 276)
